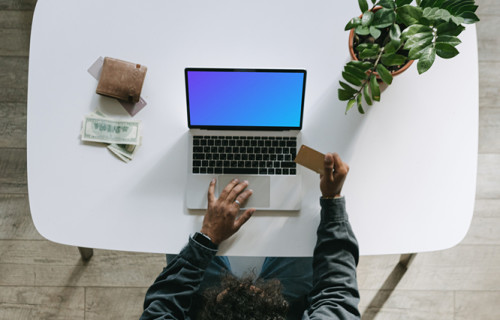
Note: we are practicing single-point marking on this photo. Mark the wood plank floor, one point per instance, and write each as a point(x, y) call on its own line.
point(44, 280)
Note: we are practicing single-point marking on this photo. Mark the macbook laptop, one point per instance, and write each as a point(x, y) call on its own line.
point(245, 124)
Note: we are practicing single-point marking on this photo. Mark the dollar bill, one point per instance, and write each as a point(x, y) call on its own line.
point(122, 137)
point(98, 129)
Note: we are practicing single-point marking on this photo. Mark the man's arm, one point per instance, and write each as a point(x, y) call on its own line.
point(335, 292)
point(171, 295)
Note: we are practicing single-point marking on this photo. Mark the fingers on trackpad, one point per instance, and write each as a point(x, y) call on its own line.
point(261, 187)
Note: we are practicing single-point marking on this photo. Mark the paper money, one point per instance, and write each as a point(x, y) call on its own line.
point(98, 129)
point(122, 137)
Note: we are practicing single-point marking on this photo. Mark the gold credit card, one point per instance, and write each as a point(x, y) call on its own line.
point(311, 159)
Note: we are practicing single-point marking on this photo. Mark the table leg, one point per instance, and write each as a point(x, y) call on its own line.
point(406, 259)
point(86, 253)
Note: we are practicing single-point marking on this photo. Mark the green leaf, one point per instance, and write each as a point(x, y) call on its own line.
point(457, 20)
point(362, 31)
point(469, 17)
point(393, 59)
point(445, 50)
point(401, 3)
point(414, 29)
point(384, 74)
point(375, 89)
point(368, 53)
point(349, 105)
point(362, 65)
point(375, 32)
point(413, 40)
point(454, 41)
point(395, 32)
point(344, 95)
point(367, 18)
point(417, 50)
point(383, 18)
point(465, 8)
point(351, 79)
point(363, 5)
point(426, 60)
point(364, 46)
point(348, 88)
point(353, 23)
point(409, 15)
point(366, 93)
point(355, 72)
point(360, 107)
point(389, 4)
point(392, 47)
point(449, 29)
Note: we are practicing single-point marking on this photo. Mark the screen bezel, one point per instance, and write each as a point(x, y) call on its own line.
point(250, 128)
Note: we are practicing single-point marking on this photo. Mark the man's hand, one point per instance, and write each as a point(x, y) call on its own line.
point(333, 180)
point(221, 219)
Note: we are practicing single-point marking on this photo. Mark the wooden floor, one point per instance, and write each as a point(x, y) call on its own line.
point(44, 280)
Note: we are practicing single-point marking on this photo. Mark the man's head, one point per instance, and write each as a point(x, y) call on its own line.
point(244, 298)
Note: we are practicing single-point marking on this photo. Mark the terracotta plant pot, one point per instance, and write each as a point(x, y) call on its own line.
point(353, 55)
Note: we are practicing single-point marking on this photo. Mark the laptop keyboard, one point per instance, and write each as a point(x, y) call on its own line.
point(244, 155)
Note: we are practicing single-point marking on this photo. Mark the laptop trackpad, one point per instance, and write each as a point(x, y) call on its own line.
point(261, 187)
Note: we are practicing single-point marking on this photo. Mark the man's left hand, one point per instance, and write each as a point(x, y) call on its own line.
point(221, 220)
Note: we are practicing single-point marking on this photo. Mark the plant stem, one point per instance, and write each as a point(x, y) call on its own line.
point(372, 70)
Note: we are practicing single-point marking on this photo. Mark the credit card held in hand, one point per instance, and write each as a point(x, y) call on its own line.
point(311, 159)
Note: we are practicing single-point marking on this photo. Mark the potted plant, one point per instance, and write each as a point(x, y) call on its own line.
point(390, 35)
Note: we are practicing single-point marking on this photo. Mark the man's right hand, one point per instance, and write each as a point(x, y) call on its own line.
point(335, 173)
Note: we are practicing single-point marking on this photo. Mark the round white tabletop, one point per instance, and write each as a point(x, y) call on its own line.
point(411, 187)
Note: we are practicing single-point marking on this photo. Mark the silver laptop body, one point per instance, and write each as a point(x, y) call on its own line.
point(254, 111)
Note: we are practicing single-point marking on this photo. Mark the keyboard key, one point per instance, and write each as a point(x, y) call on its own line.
point(198, 156)
point(240, 171)
point(277, 171)
point(218, 170)
point(196, 170)
point(262, 171)
point(286, 171)
point(293, 171)
point(196, 163)
point(288, 164)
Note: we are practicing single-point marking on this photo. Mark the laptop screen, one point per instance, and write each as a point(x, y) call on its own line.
point(252, 99)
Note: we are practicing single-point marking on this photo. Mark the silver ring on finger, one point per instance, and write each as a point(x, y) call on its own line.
point(237, 202)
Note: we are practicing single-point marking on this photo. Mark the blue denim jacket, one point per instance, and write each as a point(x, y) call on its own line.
point(334, 294)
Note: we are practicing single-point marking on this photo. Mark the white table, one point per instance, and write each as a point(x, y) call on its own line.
point(411, 187)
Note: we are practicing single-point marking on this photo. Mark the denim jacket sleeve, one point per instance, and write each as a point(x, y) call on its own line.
point(171, 295)
point(335, 290)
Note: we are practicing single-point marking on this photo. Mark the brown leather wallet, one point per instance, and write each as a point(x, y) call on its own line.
point(121, 79)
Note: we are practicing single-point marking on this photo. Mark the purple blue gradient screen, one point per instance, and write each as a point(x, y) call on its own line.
point(245, 98)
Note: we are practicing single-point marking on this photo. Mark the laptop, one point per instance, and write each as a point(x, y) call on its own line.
point(245, 124)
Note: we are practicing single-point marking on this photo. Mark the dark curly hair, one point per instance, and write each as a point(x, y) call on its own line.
point(244, 299)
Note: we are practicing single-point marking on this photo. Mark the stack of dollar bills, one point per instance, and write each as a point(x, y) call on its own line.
point(122, 137)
